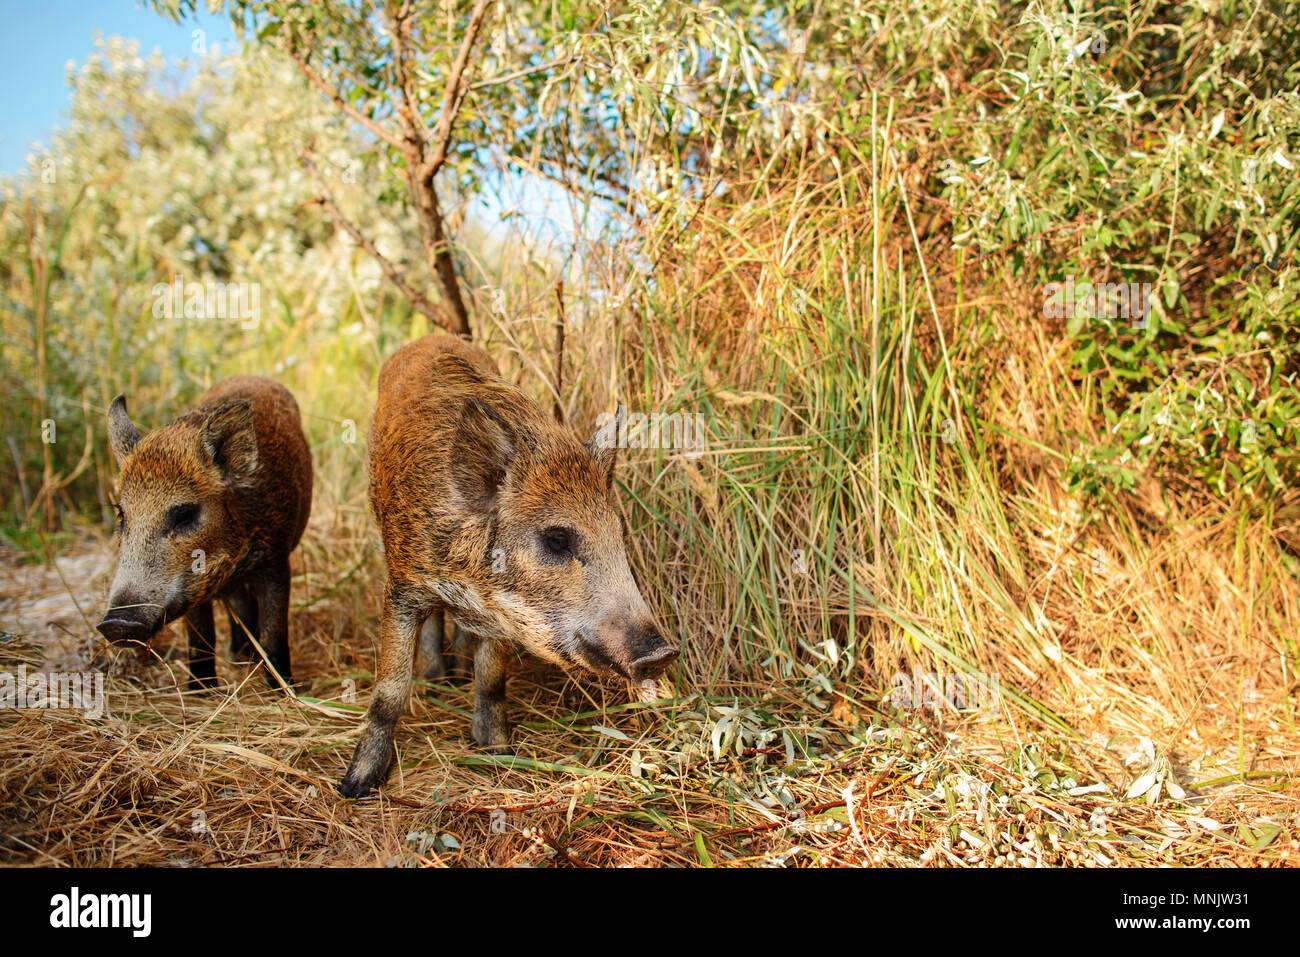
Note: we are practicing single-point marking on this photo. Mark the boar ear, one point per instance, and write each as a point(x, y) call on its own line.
point(122, 433)
point(486, 447)
point(229, 440)
point(603, 445)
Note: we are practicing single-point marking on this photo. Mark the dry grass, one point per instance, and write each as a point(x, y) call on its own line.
point(244, 777)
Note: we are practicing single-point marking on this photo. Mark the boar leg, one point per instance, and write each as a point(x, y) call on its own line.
point(431, 645)
point(448, 661)
point(241, 609)
point(271, 590)
point(398, 631)
point(490, 728)
point(203, 640)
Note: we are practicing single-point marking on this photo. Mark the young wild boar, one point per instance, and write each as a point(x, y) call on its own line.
point(491, 513)
point(209, 507)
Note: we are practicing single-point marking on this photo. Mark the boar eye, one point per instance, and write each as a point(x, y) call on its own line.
point(182, 517)
point(559, 541)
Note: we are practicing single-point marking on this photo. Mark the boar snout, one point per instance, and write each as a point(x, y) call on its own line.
point(122, 629)
point(654, 663)
point(655, 655)
point(640, 653)
point(125, 621)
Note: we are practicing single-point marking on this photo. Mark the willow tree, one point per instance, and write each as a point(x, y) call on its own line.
point(627, 105)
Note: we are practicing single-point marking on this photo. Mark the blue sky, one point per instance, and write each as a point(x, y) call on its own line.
point(39, 37)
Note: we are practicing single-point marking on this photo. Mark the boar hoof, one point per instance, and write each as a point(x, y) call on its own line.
point(370, 764)
point(358, 785)
point(350, 787)
point(493, 739)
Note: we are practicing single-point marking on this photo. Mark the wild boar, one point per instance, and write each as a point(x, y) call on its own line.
point(209, 508)
point(499, 518)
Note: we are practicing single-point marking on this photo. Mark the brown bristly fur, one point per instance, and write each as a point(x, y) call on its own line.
point(492, 513)
point(236, 473)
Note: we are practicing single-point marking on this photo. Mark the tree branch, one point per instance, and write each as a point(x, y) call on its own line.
point(454, 94)
point(318, 81)
point(421, 304)
point(421, 168)
point(521, 73)
point(412, 122)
